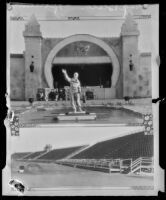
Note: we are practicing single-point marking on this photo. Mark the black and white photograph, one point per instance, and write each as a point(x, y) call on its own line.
point(80, 84)
point(120, 158)
point(92, 69)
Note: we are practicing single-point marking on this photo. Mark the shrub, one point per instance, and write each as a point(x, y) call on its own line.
point(31, 100)
point(119, 103)
point(131, 103)
point(127, 98)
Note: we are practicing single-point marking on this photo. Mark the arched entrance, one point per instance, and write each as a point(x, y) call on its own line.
point(75, 38)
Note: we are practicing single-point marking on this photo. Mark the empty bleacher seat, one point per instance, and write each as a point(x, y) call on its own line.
point(19, 155)
point(57, 154)
point(129, 146)
point(35, 154)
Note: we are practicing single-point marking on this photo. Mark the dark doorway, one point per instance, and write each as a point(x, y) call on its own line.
point(89, 74)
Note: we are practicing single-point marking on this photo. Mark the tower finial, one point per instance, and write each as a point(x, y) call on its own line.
point(129, 27)
point(33, 20)
point(32, 27)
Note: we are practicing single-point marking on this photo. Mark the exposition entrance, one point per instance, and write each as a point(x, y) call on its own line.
point(92, 58)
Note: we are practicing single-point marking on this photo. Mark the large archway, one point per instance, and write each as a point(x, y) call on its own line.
point(88, 38)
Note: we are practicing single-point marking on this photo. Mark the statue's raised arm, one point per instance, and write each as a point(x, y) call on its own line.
point(66, 75)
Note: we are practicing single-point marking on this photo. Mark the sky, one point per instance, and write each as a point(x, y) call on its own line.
point(34, 139)
point(52, 26)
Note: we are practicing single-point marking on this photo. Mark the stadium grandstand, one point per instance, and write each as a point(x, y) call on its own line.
point(132, 153)
point(57, 154)
point(35, 155)
point(19, 155)
point(51, 155)
point(128, 146)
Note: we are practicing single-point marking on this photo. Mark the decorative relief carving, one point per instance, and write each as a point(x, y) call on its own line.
point(14, 126)
point(81, 49)
point(148, 124)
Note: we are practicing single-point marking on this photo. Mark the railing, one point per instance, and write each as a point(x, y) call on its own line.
point(142, 165)
point(125, 165)
point(106, 165)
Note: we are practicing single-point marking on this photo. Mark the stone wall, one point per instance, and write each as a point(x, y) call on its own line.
point(17, 77)
point(47, 45)
point(32, 54)
point(116, 44)
point(130, 54)
point(144, 76)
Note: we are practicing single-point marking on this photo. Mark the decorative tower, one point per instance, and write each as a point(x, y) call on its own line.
point(33, 57)
point(130, 56)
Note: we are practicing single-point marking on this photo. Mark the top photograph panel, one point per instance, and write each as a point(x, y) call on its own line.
point(80, 65)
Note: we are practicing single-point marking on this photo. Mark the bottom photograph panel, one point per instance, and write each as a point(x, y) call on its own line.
point(64, 161)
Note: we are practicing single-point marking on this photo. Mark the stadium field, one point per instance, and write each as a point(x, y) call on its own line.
point(50, 175)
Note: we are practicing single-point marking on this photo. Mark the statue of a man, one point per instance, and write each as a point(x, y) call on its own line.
point(75, 90)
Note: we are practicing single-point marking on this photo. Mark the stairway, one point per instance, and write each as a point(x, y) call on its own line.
point(78, 151)
point(142, 166)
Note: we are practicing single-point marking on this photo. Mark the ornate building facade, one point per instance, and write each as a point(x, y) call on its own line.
point(128, 71)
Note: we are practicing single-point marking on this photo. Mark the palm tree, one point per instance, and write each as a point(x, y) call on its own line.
point(48, 147)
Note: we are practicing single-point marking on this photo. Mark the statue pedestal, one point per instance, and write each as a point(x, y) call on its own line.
point(78, 116)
